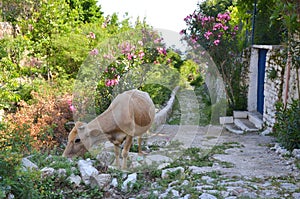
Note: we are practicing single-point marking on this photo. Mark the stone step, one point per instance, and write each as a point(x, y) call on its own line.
point(233, 129)
point(256, 118)
point(245, 125)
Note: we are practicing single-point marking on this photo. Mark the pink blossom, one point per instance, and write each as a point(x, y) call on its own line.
point(92, 35)
point(158, 40)
point(225, 28)
point(183, 31)
point(130, 56)
point(108, 56)
point(69, 102)
point(140, 43)
point(187, 18)
point(224, 17)
point(207, 34)
point(236, 28)
point(218, 26)
point(126, 47)
point(216, 42)
point(94, 51)
point(72, 108)
point(161, 50)
point(112, 82)
point(141, 54)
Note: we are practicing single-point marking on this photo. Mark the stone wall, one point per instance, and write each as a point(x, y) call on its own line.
point(274, 83)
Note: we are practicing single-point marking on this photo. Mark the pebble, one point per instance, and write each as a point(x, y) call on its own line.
point(207, 196)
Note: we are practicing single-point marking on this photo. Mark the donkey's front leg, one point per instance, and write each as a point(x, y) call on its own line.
point(117, 155)
point(125, 151)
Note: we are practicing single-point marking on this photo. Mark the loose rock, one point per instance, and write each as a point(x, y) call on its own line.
point(165, 172)
point(101, 181)
point(207, 196)
point(76, 179)
point(131, 179)
point(86, 170)
point(47, 171)
point(27, 164)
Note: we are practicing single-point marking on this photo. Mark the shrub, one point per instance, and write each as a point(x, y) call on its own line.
point(288, 124)
point(45, 118)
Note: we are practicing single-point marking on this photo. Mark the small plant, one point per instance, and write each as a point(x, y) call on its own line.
point(272, 74)
point(288, 124)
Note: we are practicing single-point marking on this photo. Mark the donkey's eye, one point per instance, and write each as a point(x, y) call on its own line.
point(77, 140)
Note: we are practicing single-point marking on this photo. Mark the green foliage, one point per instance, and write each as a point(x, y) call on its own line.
point(288, 124)
point(214, 7)
point(158, 93)
point(263, 30)
point(190, 72)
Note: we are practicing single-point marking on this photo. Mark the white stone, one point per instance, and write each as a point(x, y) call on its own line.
point(296, 195)
point(165, 172)
point(240, 114)
point(289, 186)
point(61, 172)
point(114, 182)
point(296, 153)
point(187, 196)
point(76, 179)
point(157, 159)
point(86, 170)
point(207, 196)
point(10, 196)
point(131, 179)
point(101, 181)
point(47, 171)
point(27, 164)
point(226, 120)
point(105, 158)
point(175, 193)
point(163, 165)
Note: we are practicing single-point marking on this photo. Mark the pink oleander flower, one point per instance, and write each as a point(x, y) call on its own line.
point(236, 28)
point(92, 35)
point(225, 28)
point(207, 34)
point(94, 51)
point(182, 32)
point(224, 17)
point(112, 82)
point(72, 108)
point(216, 42)
point(218, 26)
point(141, 54)
point(126, 47)
point(161, 50)
point(130, 56)
point(187, 18)
point(140, 43)
point(108, 56)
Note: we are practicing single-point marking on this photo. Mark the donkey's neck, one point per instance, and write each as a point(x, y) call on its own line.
point(104, 122)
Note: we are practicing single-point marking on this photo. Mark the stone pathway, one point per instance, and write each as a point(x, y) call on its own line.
point(256, 171)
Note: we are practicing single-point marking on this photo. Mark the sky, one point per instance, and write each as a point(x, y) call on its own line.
point(166, 16)
point(162, 14)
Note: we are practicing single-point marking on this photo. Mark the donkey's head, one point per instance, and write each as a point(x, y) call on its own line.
point(75, 146)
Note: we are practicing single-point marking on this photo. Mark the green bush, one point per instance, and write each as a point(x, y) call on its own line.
point(158, 93)
point(288, 124)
